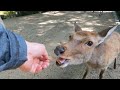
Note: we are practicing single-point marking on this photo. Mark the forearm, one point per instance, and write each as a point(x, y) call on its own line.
point(13, 49)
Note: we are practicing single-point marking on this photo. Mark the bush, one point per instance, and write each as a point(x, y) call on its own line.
point(9, 14)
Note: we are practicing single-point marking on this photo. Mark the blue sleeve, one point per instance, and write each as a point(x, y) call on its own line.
point(13, 49)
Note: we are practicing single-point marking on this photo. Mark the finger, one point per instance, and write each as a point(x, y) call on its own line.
point(45, 64)
point(45, 55)
point(37, 66)
point(33, 69)
point(43, 58)
point(46, 61)
point(40, 62)
point(38, 69)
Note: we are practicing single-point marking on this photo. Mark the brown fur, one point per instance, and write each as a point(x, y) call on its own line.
point(99, 56)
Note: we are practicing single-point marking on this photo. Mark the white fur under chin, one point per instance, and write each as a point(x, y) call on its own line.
point(64, 65)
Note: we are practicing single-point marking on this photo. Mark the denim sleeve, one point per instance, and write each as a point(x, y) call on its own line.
point(13, 49)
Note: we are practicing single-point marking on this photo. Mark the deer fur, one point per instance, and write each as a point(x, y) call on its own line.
point(103, 52)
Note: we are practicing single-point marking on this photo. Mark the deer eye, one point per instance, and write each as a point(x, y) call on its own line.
point(89, 43)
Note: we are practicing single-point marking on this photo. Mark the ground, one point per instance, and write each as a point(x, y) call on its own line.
point(52, 27)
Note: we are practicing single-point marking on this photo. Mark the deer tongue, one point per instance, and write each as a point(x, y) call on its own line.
point(61, 60)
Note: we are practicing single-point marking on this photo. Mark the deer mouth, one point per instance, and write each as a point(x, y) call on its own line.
point(62, 62)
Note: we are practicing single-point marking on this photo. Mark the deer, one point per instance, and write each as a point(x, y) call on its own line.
point(94, 49)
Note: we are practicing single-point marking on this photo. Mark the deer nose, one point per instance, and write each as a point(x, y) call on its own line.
point(59, 50)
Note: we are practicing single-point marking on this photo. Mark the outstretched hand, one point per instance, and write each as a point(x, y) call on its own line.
point(37, 58)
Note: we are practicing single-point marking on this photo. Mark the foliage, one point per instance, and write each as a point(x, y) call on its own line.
point(9, 14)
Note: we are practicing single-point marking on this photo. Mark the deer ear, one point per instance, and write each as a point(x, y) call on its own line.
point(106, 33)
point(77, 28)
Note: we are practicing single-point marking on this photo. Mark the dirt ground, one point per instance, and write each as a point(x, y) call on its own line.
point(52, 27)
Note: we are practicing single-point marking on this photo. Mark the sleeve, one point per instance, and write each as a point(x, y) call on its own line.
point(13, 49)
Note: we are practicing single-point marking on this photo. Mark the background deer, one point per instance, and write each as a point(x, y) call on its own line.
point(96, 49)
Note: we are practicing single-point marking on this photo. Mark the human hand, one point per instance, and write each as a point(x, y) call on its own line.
point(37, 58)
